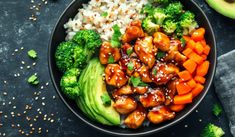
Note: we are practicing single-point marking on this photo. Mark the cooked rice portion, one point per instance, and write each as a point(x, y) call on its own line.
point(101, 15)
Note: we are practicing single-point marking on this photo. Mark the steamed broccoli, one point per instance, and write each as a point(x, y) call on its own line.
point(159, 2)
point(64, 55)
point(88, 39)
point(149, 26)
point(188, 23)
point(69, 83)
point(159, 15)
point(78, 52)
point(169, 26)
point(174, 9)
point(217, 110)
point(147, 9)
point(212, 130)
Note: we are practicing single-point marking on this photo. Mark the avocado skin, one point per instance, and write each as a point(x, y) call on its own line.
point(223, 7)
point(92, 87)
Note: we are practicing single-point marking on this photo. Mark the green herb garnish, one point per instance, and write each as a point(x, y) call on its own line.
point(136, 81)
point(115, 40)
point(32, 54)
point(130, 66)
point(183, 42)
point(217, 110)
point(160, 54)
point(129, 51)
point(110, 59)
point(104, 14)
point(154, 71)
point(106, 99)
point(33, 80)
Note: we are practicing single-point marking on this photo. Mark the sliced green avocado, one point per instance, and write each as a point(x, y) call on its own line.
point(226, 8)
point(92, 88)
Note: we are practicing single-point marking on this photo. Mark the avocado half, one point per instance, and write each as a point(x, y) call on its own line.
point(224, 7)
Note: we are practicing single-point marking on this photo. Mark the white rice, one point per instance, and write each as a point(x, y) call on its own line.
point(120, 12)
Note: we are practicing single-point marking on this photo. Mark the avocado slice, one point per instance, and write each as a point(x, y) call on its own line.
point(92, 88)
point(226, 8)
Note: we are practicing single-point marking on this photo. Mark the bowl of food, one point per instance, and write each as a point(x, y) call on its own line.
point(135, 67)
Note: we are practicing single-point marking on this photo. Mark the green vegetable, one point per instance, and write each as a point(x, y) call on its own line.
point(92, 87)
point(106, 99)
point(33, 80)
point(183, 42)
point(129, 51)
point(154, 71)
point(178, 32)
point(212, 130)
point(160, 2)
point(136, 81)
point(174, 9)
point(130, 66)
point(169, 26)
point(104, 14)
point(32, 54)
point(159, 15)
point(69, 83)
point(77, 53)
point(115, 40)
point(147, 9)
point(217, 110)
point(110, 59)
point(160, 54)
point(188, 23)
point(89, 39)
point(149, 26)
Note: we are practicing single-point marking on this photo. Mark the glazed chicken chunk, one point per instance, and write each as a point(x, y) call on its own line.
point(162, 73)
point(136, 118)
point(125, 90)
point(106, 52)
point(152, 99)
point(133, 32)
point(140, 90)
point(161, 41)
point(144, 74)
point(125, 104)
point(160, 114)
point(170, 91)
point(146, 51)
point(115, 76)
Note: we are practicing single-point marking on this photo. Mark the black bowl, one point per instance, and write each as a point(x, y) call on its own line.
point(58, 36)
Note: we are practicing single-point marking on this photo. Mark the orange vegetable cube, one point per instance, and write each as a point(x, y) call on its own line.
point(206, 50)
point(200, 79)
point(190, 65)
point(203, 42)
point(195, 57)
point(183, 88)
point(203, 68)
point(198, 34)
point(185, 75)
point(187, 38)
point(199, 48)
point(187, 51)
point(197, 90)
point(176, 108)
point(183, 99)
point(192, 83)
point(190, 44)
point(204, 57)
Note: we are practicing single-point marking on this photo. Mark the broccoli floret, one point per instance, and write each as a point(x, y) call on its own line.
point(159, 15)
point(212, 130)
point(159, 2)
point(188, 23)
point(69, 83)
point(88, 38)
point(149, 26)
point(81, 56)
point(64, 55)
point(169, 26)
point(174, 9)
point(217, 110)
point(147, 9)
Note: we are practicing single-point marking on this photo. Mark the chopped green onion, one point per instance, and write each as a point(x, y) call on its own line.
point(32, 54)
point(160, 54)
point(110, 59)
point(106, 99)
point(130, 66)
point(104, 14)
point(136, 81)
point(33, 80)
point(129, 51)
point(115, 40)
